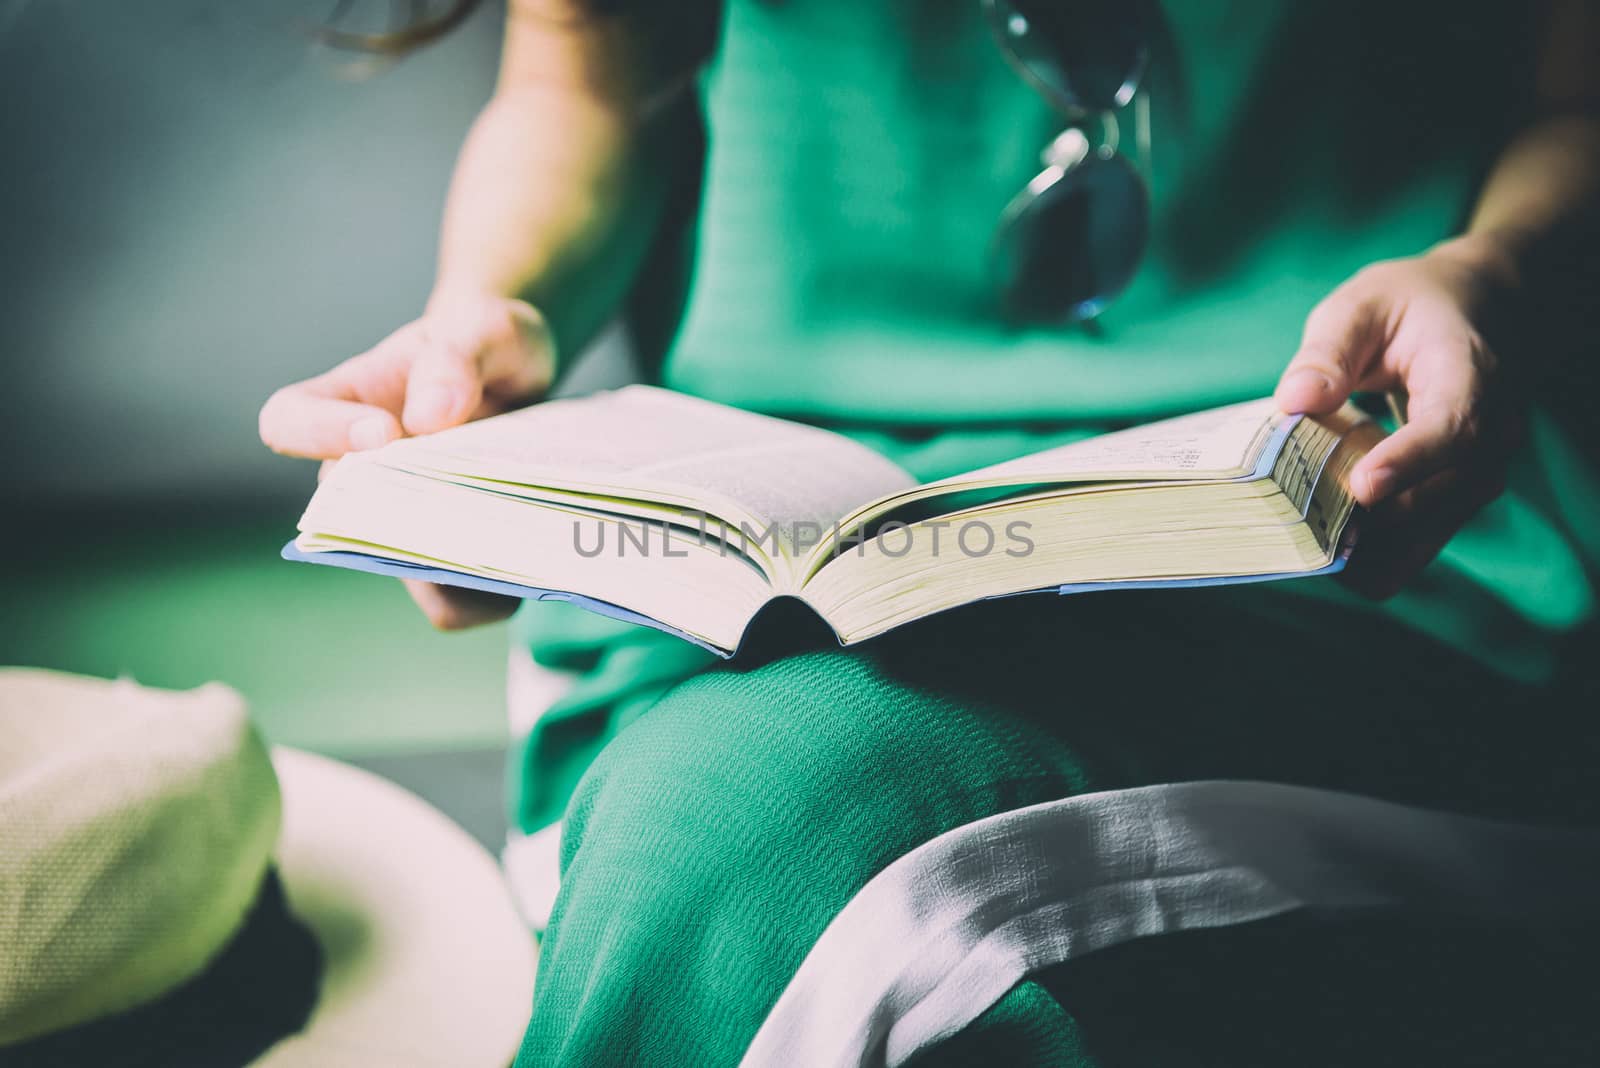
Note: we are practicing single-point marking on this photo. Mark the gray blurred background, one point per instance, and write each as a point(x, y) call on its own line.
point(198, 205)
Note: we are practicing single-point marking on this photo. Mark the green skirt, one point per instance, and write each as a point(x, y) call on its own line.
point(719, 815)
point(733, 813)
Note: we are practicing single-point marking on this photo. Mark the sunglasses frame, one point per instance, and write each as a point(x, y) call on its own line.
point(1068, 156)
point(1072, 108)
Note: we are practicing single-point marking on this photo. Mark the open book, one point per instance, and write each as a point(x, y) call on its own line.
point(679, 513)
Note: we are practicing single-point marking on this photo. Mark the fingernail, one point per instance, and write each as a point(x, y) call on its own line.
point(1379, 483)
point(370, 433)
point(1309, 378)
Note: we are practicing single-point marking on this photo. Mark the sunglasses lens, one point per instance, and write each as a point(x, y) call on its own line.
point(1089, 54)
point(1076, 244)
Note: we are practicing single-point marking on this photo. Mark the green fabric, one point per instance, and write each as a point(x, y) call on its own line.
point(860, 156)
point(712, 841)
point(862, 153)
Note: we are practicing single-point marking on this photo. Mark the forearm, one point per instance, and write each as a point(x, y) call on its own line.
point(565, 177)
point(1541, 201)
point(555, 200)
point(1539, 212)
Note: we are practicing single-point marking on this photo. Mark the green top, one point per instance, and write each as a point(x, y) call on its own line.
point(861, 154)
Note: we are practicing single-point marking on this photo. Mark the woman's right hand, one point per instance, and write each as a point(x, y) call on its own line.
point(464, 359)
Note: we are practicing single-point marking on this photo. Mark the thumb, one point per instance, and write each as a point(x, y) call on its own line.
point(443, 388)
point(500, 348)
point(1342, 337)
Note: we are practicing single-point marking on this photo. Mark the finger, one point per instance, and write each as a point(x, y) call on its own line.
point(1408, 532)
point(1342, 340)
point(452, 608)
point(377, 376)
point(1444, 427)
point(496, 352)
point(299, 421)
point(354, 406)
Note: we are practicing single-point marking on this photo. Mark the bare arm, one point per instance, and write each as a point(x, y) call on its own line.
point(1543, 195)
point(558, 195)
point(564, 178)
point(1547, 181)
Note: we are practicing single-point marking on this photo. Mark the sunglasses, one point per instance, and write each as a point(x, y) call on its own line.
point(1071, 240)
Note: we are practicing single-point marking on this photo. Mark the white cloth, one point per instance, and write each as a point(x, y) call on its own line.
point(532, 865)
point(943, 932)
point(532, 862)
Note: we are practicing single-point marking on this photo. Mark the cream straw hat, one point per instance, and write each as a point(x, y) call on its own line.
point(173, 894)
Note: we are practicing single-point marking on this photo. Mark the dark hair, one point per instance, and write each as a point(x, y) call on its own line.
point(420, 24)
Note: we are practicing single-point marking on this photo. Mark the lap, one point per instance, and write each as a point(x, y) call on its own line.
point(720, 831)
point(1126, 689)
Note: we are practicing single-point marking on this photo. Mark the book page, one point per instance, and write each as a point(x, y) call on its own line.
point(1220, 443)
point(1121, 531)
point(651, 568)
point(657, 445)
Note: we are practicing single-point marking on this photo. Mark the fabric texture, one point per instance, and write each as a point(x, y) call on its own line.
point(262, 986)
point(945, 931)
point(861, 155)
point(135, 830)
point(715, 839)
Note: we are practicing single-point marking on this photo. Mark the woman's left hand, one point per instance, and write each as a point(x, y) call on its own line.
point(1416, 327)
